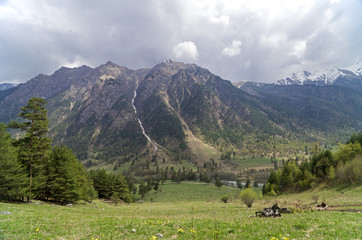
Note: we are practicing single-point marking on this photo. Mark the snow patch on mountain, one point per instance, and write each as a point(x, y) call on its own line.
point(321, 77)
point(356, 69)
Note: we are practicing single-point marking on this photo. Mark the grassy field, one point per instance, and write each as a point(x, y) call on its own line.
point(253, 163)
point(186, 211)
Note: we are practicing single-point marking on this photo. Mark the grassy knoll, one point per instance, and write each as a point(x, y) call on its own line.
point(178, 215)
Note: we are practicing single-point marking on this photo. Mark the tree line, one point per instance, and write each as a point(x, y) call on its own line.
point(343, 166)
point(30, 168)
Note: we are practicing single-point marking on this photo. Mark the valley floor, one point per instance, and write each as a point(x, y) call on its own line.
point(186, 218)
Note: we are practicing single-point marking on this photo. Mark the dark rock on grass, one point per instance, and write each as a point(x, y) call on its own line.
point(274, 211)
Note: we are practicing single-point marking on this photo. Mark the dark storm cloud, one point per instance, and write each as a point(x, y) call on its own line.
point(238, 40)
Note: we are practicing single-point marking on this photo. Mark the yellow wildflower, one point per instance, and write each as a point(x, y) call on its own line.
point(193, 231)
point(180, 230)
point(153, 238)
point(37, 229)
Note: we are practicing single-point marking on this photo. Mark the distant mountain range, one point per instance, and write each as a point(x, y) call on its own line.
point(181, 113)
point(4, 86)
point(328, 76)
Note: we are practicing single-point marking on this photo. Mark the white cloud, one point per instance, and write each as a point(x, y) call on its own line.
point(299, 48)
point(186, 50)
point(233, 49)
point(247, 64)
point(37, 36)
point(71, 63)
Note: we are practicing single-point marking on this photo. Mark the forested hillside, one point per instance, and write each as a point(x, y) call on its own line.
point(178, 114)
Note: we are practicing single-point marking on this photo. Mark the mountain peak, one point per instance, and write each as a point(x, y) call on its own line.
point(355, 69)
point(110, 63)
point(326, 76)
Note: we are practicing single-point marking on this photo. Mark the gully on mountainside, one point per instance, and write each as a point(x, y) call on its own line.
point(155, 145)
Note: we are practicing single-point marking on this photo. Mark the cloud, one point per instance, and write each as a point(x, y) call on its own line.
point(233, 50)
point(186, 50)
point(276, 37)
point(299, 49)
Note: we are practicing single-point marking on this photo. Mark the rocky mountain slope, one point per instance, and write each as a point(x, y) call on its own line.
point(4, 86)
point(176, 112)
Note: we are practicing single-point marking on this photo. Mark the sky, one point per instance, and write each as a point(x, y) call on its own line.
point(239, 40)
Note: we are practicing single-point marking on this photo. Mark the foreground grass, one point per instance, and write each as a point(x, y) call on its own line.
point(181, 219)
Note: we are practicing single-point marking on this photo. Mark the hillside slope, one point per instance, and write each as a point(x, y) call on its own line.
point(111, 115)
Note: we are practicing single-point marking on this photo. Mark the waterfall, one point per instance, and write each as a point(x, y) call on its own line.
point(155, 145)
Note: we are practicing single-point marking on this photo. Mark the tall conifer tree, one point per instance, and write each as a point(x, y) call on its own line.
point(34, 146)
point(13, 180)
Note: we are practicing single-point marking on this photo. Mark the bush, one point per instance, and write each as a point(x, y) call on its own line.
point(272, 193)
point(224, 199)
point(248, 196)
point(350, 172)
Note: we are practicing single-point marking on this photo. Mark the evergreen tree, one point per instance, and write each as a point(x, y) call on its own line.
point(356, 137)
point(238, 184)
point(13, 179)
point(156, 185)
point(264, 190)
point(142, 189)
point(62, 180)
point(130, 182)
point(68, 180)
point(149, 185)
point(102, 183)
point(247, 184)
point(120, 188)
point(286, 177)
point(218, 182)
point(34, 147)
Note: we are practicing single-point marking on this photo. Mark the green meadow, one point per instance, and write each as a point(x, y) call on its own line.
point(189, 210)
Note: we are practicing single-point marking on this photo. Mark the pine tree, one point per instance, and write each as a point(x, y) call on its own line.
point(121, 189)
point(13, 179)
point(62, 175)
point(142, 189)
point(238, 184)
point(67, 179)
point(102, 183)
point(34, 147)
point(247, 184)
point(218, 182)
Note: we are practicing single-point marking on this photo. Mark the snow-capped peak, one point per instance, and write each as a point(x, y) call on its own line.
point(320, 77)
point(356, 69)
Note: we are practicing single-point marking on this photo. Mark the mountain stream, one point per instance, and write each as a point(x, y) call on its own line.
point(153, 143)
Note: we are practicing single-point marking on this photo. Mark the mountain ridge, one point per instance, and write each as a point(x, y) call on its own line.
point(322, 77)
point(192, 114)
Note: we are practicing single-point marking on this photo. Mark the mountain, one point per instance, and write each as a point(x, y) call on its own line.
point(182, 114)
point(328, 76)
point(4, 86)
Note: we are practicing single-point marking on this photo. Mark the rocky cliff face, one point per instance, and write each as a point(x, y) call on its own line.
point(114, 115)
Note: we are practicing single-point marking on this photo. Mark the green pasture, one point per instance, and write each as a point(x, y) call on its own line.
point(186, 211)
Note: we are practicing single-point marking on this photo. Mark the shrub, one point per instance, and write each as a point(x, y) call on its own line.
point(248, 196)
point(351, 171)
point(315, 198)
point(272, 193)
point(224, 199)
